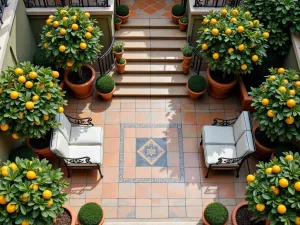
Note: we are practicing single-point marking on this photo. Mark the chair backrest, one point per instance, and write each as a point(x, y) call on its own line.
point(241, 125)
point(65, 126)
point(245, 144)
point(59, 144)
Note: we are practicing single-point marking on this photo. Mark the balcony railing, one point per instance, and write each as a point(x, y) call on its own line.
point(62, 3)
point(106, 61)
point(196, 60)
point(217, 3)
point(3, 4)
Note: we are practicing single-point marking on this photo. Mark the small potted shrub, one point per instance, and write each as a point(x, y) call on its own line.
point(196, 86)
point(121, 65)
point(72, 42)
point(276, 102)
point(187, 52)
point(118, 22)
point(118, 49)
point(233, 43)
point(122, 13)
point(273, 191)
point(31, 192)
point(105, 86)
point(178, 11)
point(215, 214)
point(23, 152)
point(183, 22)
point(91, 214)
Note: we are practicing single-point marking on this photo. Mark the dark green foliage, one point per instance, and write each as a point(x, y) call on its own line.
point(285, 147)
point(216, 214)
point(40, 59)
point(196, 83)
point(121, 61)
point(122, 10)
point(178, 10)
point(117, 20)
point(23, 152)
point(187, 50)
point(119, 46)
point(184, 20)
point(90, 214)
point(105, 84)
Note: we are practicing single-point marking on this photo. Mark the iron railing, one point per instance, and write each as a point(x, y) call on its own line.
point(3, 4)
point(106, 61)
point(62, 3)
point(196, 60)
point(217, 3)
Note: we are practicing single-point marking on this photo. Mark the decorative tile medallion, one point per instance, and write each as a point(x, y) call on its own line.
point(151, 153)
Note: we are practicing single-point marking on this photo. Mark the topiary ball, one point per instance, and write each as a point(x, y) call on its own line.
point(216, 214)
point(122, 10)
point(196, 83)
point(178, 10)
point(90, 214)
point(23, 152)
point(105, 84)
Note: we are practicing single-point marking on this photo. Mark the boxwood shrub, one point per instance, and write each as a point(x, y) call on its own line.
point(90, 214)
point(216, 214)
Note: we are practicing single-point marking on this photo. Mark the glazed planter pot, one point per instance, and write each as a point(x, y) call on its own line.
point(72, 214)
point(246, 99)
point(81, 90)
point(262, 152)
point(185, 68)
point(118, 26)
point(204, 220)
point(118, 55)
point(217, 89)
point(107, 96)
point(123, 18)
point(182, 26)
point(176, 19)
point(43, 152)
point(194, 95)
point(121, 67)
point(187, 60)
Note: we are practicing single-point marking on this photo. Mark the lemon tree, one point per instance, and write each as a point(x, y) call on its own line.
point(273, 192)
point(70, 38)
point(31, 192)
point(277, 104)
point(232, 40)
point(30, 98)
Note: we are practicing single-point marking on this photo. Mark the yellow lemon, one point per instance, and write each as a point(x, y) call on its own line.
point(241, 47)
point(285, 81)
point(276, 169)
point(275, 190)
point(251, 25)
point(51, 84)
point(266, 34)
point(88, 35)
point(40, 85)
point(47, 194)
point(265, 101)
point(28, 84)
point(13, 166)
point(233, 20)
point(50, 202)
point(62, 48)
point(204, 46)
point(272, 77)
point(63, 11)
point(247, 13)
point(74, 17)
point(281, 71)
point(24, 198)
point(290, 120)
point(90, 28)
point(256, 22)
point(234, 12)
point(14, 95)
point(297, 186)
point(230, 50)
point(25, 222)
point(4, 171)
point(291, 103)
point(48, 34)
point(250, 178)
point(15, 136)
point(4, 127)
point(21, 115)
point(18, 71)
point(21, 79)
point(281, 209)
point(83, 45)
point(3, 200)
point(216, 56)
point(60, 109)
point(62, 31)
point(34, 186)
point(215, 32)
point(45, 45)
point(55, 24)
point(69, 63)
point(49, 96)
point(49, 21)
point(228, 31)
point(270, 113)
point(40, 169)
point(37, 123)
point(268, 170)
point(206, 21)
point(46, 117)
point(223, 12)
point(213, 21)
point(297, 83)
point(289, 157)
point(31, 175)
point(254, 58)
point(29, 105)
point(283, 183)
point(240, 29)
point(260, 207)
point(55, 74)
point(244, 66)
point(1, 90)
point(206, 30)
point(87, 14)
point(64, 18)
point(74, 26)
point(35, 98)
point(297, 221)
point(282, 89)
point(10, 208)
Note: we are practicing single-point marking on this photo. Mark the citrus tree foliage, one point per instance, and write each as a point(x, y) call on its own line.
point(232, 40)
point(31, 192)
point(30, 98)
point(279, 17)
point(273, 192)
point(70, 38)
point(277, 104)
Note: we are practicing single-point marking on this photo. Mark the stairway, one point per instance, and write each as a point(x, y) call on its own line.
point(152, 51)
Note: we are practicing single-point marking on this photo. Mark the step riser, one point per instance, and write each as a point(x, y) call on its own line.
point(148, 27)
point(156, 72)
point(154, 60)
point(148, 95)
point(148, 38)
point(151, 49)
point(147, 83)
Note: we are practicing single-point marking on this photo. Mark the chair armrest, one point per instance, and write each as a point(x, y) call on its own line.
point(223, 122)
point(81, 121)
point(82, 160)
point(223, 160)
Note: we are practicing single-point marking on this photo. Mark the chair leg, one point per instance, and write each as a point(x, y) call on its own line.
point(69, 174)
point(248, 166)
point(99, 169)
point(201, 140)
point(208, 169)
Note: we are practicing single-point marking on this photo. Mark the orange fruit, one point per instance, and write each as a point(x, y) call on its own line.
point(21, 79)
point(25, 222)
point(265, 101)
point(213, 21)
point(291, 103)
point(270, 113)
point(49, 21)
point(13, 166)
point(244, 66)
point(49, 96)
point(28, 84)
point(14, 95)
point(285, 81)
point(260, 207)
point(292, 92)
point(290, 120)
point(37, 123)
point(18, 71)
point(55, 74)
point(63, 11)
point(250, 178)
point(297, 221)
point(272, 77)
point(50, 202)
point(47, 194)
point(297, 83)
point(282, 89)
point(90, 28)
point(240, 29)
point(228, 31)
point(4, 127)
point(62, 31)
point(88, 35)
point(40, 86)
point(283, 183)
point(4, 171)
point(3, 200)
point(51, 84)
point(254, 58)
point(297, 186)
point(206, 30)
point(83, 45)
point(21, 115)
point(74, 17)
point(234, 12)
point(46, 117)
point(251, 25)
point(204, 46)
point(15, 136)
point(10, 208)
point(281, 209)
point(29, 105)
point(31, 175)
point(69, 63)
point(1, 90)
point(87, 14)
point(215, 32)
point(206, 21)
point(241, 47)
point(256, 22)
point(233, 20)
point(281, 71)
point(55, 24)
point(62, 48)
point(276, 169)
point(230, 50)
point(289, 157)
point(45, 45)
point(24, 198)
point(275, 190)
point(268, 170)
point(60, 109)
point(74, 26)
point(216, 55)
point(266, 34)
point(223, 12)
point(64, 18)
point(34, 186)
point(35, 98)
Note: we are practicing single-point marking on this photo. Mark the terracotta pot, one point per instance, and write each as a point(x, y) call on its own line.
point(73, 216)
point(185, 68)
point(261, 152)
point(176, 19)
point(107, 96)
point(217, 89)
point(234, 211)
point(118, 25)
point(121, 67)
point(123, 18)
point(194, 95)
point(204, 220)
point(118, 55)
point(81, 90)
point(187, 60)
point(182, 26)
point(44, 152)
point(245, 98)
point(101, 222)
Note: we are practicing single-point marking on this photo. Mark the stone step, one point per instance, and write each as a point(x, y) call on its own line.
point(107, 222)
point(150, 23)
point(153, 67)
point(167, 34)
point(162, 79)
point(153, 56)
point(153, 45)
point(151, 90)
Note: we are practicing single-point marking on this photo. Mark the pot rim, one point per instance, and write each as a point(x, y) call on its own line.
point(217, 84)
point(67, 72)
point(73, 216)
point(234, 211)
point(187, 57)
point(182, 23)
point(196, 93)
point(119, 23)
point(119, 52)
point(100, 93)
point(38, 149)
point(123, 16)
point(121, 64)
point(177, 17)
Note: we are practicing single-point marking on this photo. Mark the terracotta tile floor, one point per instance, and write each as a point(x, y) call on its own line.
point(153, 166)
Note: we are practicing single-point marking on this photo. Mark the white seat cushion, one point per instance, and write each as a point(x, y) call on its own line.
point(65, 126)
point(213, 152)
point(86, 135)
point(245, 144)
point(59, 145)
point(92, 151)
point(241, 125)
point(218, 135)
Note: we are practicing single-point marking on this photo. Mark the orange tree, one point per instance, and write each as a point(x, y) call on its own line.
point(70, 38)
point(277, 104)
point(31, 192)
point(30, 98)
point(273, 192)
point(232, 40)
